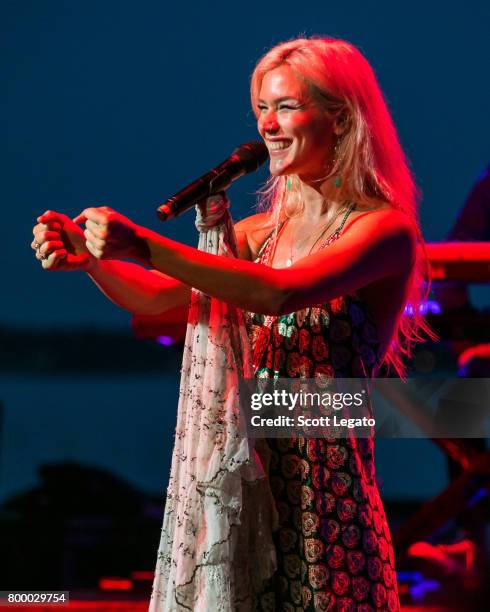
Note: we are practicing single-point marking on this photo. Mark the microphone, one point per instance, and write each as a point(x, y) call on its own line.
point(244, 159)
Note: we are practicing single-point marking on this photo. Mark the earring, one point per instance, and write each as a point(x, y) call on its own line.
point(288, 183)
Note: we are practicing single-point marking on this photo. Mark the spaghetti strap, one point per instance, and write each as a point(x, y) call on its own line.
point(351, 208)
point(266, 242)
point(264, 248)
point(334, 235)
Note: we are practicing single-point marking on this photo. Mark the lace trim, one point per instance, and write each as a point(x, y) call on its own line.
point(216, 550)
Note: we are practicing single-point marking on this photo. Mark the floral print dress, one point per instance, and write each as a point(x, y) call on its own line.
point(333, 544)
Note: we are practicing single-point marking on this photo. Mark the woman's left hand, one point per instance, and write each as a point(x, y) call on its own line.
point(110, 235)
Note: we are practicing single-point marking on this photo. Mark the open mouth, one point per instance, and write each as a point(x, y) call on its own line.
point(279, 145)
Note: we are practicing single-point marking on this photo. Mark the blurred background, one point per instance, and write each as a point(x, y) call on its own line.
point(121, 104)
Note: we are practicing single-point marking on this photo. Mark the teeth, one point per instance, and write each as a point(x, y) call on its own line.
point(280, 144)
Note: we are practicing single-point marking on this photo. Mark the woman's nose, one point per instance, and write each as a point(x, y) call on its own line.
point(272, 126)
point(270, 123)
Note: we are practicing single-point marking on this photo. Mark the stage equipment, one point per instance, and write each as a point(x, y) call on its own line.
point(460, 261)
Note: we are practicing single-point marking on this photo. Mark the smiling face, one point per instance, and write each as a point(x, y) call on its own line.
point(297, 130)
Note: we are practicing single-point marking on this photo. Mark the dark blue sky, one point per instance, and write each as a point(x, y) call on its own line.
point(122, 103)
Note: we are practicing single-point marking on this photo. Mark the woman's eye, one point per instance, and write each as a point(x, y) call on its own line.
point(288, 107)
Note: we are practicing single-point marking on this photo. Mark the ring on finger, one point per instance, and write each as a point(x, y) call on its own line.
point(36, 245)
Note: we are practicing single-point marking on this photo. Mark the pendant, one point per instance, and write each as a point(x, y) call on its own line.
point(289, 262)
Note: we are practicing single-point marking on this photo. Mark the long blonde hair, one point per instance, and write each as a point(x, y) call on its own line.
point(370, 166)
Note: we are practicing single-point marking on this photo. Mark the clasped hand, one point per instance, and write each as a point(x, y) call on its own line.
point(110, 235)
point(61, 244)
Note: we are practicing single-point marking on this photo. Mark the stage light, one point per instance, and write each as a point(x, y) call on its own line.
point(165, 340)
point(114, 583)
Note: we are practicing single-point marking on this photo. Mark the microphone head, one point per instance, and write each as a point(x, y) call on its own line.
point(252, 155)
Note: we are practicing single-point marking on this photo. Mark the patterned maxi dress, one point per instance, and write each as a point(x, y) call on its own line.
point(333, 544)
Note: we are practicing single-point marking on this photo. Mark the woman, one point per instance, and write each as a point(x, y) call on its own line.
point(325, 273)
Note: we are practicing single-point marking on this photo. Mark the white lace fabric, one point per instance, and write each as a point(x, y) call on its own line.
point(216, 550)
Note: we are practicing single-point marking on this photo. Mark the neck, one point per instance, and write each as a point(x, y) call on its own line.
point(320, 203)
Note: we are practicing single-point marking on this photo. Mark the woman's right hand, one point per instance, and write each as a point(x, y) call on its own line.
point(60, 243)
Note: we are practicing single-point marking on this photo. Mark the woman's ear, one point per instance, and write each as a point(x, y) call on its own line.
point(341, 122)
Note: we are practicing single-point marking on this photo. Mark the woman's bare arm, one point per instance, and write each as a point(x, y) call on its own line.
point(148, 292)
point(131, 286)
point(134, 288)
point(375, 245)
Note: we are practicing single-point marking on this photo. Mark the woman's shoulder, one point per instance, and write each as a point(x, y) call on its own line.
point(386, 230)
point(385, 218)
point(253, 231)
